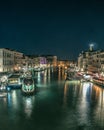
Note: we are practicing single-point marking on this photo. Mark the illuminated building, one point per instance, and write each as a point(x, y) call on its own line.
point(91, 61)
point(6, 60)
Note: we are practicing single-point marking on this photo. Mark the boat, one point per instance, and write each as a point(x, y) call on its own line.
point(72, 76)
point(3, 94)
point(14, 81)
point(98, 81)
point(28, 85)
point(4, 84)
point(86, 78)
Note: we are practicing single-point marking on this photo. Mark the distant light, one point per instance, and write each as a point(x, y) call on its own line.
point(91, 45)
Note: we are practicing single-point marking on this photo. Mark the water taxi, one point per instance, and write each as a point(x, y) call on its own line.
point(28, 85)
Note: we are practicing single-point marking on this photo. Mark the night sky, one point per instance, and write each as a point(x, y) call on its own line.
point(58, 27)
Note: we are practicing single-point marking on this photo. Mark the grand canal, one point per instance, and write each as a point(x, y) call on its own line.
point(56, 105)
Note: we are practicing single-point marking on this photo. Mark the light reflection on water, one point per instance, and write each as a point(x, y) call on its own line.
point(28, 105)
point(89, 104)
point(58, 105)
point(99, 107)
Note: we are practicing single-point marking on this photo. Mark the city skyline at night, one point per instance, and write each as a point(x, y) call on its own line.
point(62, 28)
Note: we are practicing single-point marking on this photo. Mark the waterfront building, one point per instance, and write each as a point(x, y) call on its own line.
point(91, 61)
point(18, 57)
point(6, 60)
point(12, 60)
point(51, 60)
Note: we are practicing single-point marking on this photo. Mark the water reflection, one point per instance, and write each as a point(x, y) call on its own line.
point(71, 90)
point(60, 105)
point(12, 99)
point(88, 101)
point(98, 106)
point(61, 74)
point(83, 104)
point(43, 78)
point(28, 103)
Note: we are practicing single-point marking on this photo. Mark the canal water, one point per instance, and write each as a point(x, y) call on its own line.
point(56, 105)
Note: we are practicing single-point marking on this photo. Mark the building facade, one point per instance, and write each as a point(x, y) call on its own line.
point(91, 61)
point(6, 60)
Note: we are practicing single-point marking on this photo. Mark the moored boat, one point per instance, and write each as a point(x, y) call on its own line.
point(72, 76)
point(14, 81)
point(4, 84)
point(28, 85)
point(3, 94)
point(98, 81)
